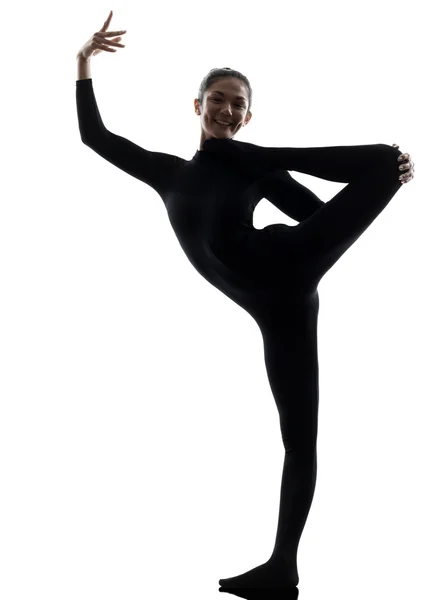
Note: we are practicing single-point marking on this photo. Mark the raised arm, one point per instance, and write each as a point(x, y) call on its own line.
point(153, 168)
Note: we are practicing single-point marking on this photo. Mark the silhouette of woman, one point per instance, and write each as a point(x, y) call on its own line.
point(271, 273)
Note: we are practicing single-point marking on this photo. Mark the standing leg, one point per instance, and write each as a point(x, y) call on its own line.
point(291, 358)
point(290, 348)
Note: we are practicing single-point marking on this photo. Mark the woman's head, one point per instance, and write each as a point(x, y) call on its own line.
point(224, 95)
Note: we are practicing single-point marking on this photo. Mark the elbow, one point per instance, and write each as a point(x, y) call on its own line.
point(86, 139)
point(82, 134)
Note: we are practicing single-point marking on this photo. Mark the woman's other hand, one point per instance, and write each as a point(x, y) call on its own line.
point(407, 166)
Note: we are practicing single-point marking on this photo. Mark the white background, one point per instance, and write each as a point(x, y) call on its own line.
point(140, 448)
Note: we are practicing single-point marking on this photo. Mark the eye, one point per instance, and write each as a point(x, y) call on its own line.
point(218, 100)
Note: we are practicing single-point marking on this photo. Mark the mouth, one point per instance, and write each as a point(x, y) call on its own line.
point(221, 125)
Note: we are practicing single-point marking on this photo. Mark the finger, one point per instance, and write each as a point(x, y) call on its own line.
point(107, 22)
point(113, 43)
point(99, 46)
point(109, 33)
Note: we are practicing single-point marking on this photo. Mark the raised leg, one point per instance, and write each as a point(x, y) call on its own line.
point(315, 244)
point(334, 163)
point(327, 234)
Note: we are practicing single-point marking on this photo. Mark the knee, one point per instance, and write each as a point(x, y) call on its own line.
point(303, 445)
point(389, 154)
point(388, 160)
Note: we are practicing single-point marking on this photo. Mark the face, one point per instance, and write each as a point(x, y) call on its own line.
point(227, 99)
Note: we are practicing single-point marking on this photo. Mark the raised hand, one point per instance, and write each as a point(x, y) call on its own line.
point(99, 42)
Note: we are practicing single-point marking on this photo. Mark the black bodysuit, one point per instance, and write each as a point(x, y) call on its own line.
point(271, 273)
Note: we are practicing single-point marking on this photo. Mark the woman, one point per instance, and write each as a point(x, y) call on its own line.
point(272, 273)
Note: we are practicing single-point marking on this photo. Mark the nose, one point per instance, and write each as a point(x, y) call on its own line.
point(226, 111)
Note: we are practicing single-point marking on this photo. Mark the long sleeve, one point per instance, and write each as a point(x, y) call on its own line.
point(290, 196)
point(153, 168)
